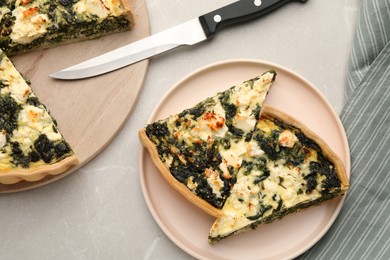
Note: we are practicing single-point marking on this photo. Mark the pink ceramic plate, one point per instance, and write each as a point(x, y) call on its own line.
point(188, 226)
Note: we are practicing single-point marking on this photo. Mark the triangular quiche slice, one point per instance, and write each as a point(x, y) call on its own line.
point(199, 151)
point(292, 169)
point(35, 24)
point(31, 145)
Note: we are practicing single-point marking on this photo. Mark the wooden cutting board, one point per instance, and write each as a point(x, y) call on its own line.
point(89, 112)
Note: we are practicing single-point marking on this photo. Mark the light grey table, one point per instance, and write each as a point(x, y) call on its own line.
point(99, 211)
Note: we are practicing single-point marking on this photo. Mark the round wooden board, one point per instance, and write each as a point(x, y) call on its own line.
point(89, 112)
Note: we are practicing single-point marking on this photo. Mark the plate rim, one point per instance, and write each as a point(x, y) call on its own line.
point(227, 62)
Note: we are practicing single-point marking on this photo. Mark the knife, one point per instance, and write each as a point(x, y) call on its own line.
point(188, 33)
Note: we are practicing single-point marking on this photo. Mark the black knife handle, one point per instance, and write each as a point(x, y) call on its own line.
point(236, 12)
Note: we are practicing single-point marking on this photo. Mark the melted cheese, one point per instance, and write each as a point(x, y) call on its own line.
point(208, 127)
point(214, 181)
point(29, 24)
point(100, 8)
point(245, 120)
point(287, 139)
point(17, 87)
point(218, 109)
point(254, 150)
point(33, 121)
point(191, 184)
point(247, 99)
point(115, 7)
point(91, 7)
point(234, 155)
point(211, 125)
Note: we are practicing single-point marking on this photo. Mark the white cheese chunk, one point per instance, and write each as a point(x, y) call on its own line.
point(211, 125)
point(254, 150)
point(17, 87)
point(33, 121)
point(218, 109)
point(191, 184)
point(92, 7)
point(234, 155)
point(114, 6)
point(245, 121)
point(29, 24)
point(287, 139)
point(214, 181)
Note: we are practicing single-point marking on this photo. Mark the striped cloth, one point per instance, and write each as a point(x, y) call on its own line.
point(362, 230)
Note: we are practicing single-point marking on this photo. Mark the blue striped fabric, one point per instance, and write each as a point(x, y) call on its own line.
point(362, 230)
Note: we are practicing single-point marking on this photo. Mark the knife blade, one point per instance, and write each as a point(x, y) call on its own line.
point(188, 33)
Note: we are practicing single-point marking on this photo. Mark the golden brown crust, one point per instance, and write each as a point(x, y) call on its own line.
point(35, 174)
point(180, 187)
point(272, 112)
point(128, 12)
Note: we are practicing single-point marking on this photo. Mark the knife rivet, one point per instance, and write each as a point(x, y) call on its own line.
point(258, 2)
point(217, 18)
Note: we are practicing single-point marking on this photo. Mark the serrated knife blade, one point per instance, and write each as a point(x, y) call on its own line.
point(188, 33)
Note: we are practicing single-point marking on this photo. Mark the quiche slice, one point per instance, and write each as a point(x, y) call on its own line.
point(31, 146)
point(32, 24)
point(292, 168)
point(199, 151)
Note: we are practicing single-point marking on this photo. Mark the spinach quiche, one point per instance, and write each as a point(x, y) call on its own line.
point(32, 24)
point(242, 162)
point(31, 146)
point(289, 168)
point(195, 149)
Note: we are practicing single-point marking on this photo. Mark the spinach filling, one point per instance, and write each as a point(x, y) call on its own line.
point(278, 213)
point(5, 30)
point(293, 156)
point(296, 155)
point(9, 111)
point(262, 210)
point(198, 110)
point(158, 130)
point(19, 158)
point(260, 164)
point(49, 150)
point(230, 112)
point(200, 156)
point(43, 149)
